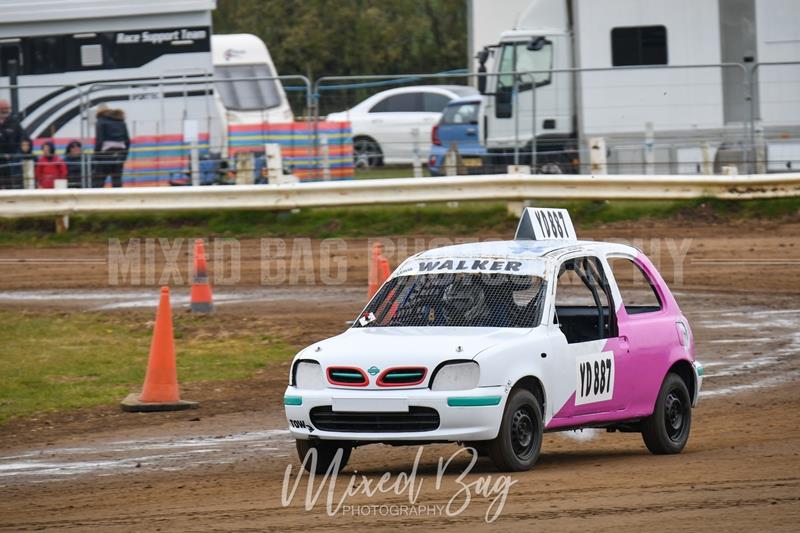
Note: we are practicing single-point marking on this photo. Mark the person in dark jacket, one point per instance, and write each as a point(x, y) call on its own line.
point(49, 167)
point(72, 157)
point(10, 139)
point(25, 163)
point(111, 145)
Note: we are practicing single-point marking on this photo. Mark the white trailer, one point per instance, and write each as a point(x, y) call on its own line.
point(155, 59)
point(662, 85)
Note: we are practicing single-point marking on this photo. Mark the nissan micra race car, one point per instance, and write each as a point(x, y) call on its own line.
point(491, 344)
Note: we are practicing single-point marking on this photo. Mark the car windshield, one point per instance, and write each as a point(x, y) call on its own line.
point(457, 299)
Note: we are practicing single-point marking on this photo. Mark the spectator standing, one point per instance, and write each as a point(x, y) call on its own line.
point(49, 167)
point(10, 140)
point(72, 158)
point(24, 166)
point(111, 146)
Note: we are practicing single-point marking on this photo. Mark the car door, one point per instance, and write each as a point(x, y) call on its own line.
point(397, 124)
point(433, 105)
point(592, 358)
point(645, 321)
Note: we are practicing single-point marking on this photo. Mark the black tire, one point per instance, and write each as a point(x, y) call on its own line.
point(516, 448)
point(326, 453)
point(367, 153)
point(667, 429)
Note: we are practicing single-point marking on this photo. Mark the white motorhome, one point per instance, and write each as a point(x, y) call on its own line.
point(636, 86)
point(155, 59)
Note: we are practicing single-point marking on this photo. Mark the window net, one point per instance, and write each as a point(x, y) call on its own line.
point(465, 299)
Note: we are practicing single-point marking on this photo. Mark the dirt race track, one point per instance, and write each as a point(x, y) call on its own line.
point(222, 467)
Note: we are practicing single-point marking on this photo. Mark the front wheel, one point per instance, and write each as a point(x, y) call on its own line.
point(667, 429)
point(517, 446)
point(326, 451)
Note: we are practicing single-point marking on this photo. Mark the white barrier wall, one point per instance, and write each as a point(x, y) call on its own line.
point(504, 187)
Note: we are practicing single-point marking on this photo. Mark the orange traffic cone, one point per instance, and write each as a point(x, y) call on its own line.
point(378, 270)
point(160, 390)
point(201, 290)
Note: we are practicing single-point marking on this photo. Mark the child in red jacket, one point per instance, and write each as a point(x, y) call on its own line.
point(49, 167)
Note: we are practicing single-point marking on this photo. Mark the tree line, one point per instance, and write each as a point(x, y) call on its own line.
point(347, 37)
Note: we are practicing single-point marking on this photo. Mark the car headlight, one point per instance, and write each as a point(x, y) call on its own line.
point(308, 375)
point(457, 376)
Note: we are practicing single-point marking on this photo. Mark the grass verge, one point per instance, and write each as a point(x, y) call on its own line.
point(469, 218)
point(63, 361)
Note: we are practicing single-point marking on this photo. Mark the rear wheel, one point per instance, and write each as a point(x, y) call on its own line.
point(366, 153)
point(667, 429)
point(519, 442)
point(326, 454)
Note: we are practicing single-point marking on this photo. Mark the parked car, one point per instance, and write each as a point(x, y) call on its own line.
point(388, 126)
point(491, 344)
point(458, 126)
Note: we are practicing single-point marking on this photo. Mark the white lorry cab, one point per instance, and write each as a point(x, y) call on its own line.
point(637, 86)
point(490, 344)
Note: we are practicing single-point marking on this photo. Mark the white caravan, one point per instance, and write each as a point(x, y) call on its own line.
point(240, 56)
point(595, 102)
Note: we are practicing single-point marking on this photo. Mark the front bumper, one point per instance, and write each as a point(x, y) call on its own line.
point(463, 415)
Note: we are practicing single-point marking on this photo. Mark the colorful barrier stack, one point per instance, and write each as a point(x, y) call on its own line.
point(297, 146)
point(163, 160)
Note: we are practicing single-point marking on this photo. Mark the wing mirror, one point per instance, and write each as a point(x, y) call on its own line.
point(482, 57)
point(536, 44)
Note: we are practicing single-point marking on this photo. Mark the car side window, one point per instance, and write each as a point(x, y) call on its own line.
point(434, 102)
point(400, 103)
point(583, 310)
point(638, 293)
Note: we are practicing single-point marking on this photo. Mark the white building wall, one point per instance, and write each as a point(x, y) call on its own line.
point(778, 36)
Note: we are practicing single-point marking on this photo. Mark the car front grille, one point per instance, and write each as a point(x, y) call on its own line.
point(399, 377)
point(416, 419)
point(347, 376)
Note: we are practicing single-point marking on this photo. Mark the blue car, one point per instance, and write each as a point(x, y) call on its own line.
point(458, 126)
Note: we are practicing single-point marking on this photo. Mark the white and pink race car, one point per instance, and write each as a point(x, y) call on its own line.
point(491, 344)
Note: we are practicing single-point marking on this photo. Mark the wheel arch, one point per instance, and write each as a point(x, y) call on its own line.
point(535, 386)
point(685, 371)
point(365, 137)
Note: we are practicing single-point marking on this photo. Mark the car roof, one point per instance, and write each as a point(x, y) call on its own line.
point(522, 249)
point(460, 90)
point(474, 99)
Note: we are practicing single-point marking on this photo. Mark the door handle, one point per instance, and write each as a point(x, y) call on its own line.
point(623, 340)
point(471, 131)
